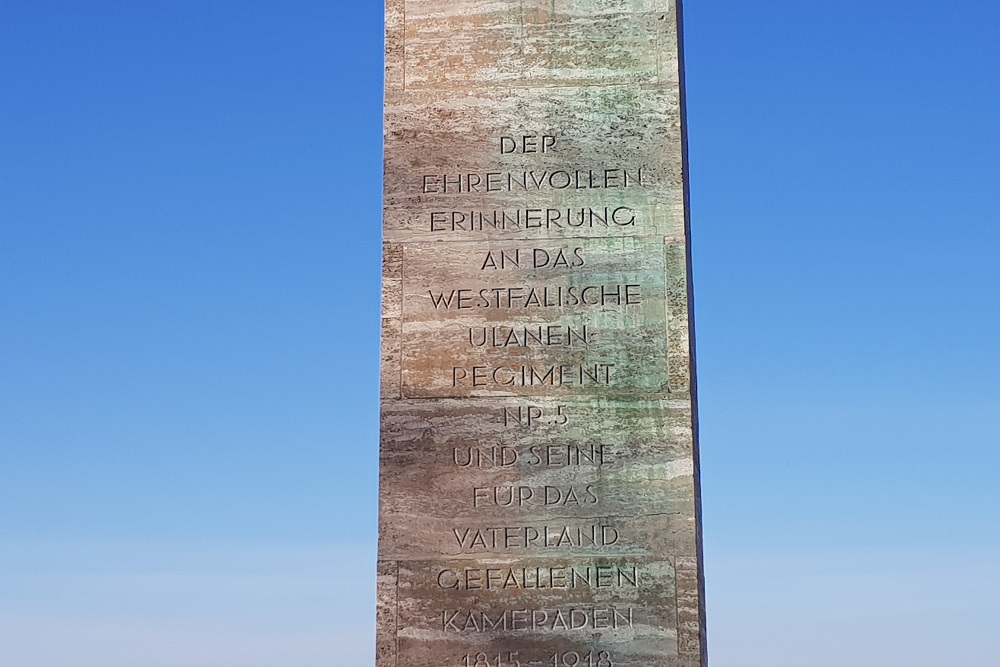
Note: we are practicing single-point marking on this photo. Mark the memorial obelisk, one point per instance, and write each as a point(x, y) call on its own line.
point(539, 501)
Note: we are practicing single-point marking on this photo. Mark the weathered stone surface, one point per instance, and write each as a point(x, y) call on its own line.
point(625, 607)
point(525, 318)
point(597, 130)
point(622, 465)
point(538, 469)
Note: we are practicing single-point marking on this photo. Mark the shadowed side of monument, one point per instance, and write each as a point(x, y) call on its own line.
point(538, 464)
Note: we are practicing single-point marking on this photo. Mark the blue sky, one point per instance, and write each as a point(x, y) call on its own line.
point(189, 250)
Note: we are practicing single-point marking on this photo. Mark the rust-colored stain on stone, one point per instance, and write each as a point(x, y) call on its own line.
point(538, 460)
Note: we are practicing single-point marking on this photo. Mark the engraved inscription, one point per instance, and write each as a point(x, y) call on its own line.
point(535, 258)
point(581, 658)
point(481, 467)
point(547, 456)
point(494, 538)
point(521, 620)
point(537, 498)
point(528, 578)
point(501, 659)
point(542, 335)
point(606, 218)
point(514, 319)
point(532, 376)
point(526, 496)
point(527, 415)
point(527, 143)
point(511, 298)
point(531, 180)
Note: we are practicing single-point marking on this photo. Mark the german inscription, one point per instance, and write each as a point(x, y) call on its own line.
point(538, 458)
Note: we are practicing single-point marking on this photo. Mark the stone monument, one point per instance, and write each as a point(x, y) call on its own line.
point(539, 467)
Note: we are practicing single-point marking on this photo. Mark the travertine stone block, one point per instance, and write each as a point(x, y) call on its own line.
point(538, 499)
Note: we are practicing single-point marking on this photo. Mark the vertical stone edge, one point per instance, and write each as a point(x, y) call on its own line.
point(676, 282)
point(387, 572)
point(392, 317)
point(392, 254)
point(699, 561)
point(395, 51)
point(689, 644)
point(668, 69)
point(386, 613)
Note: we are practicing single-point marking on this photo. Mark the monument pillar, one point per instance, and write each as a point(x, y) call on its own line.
point(538, 469)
